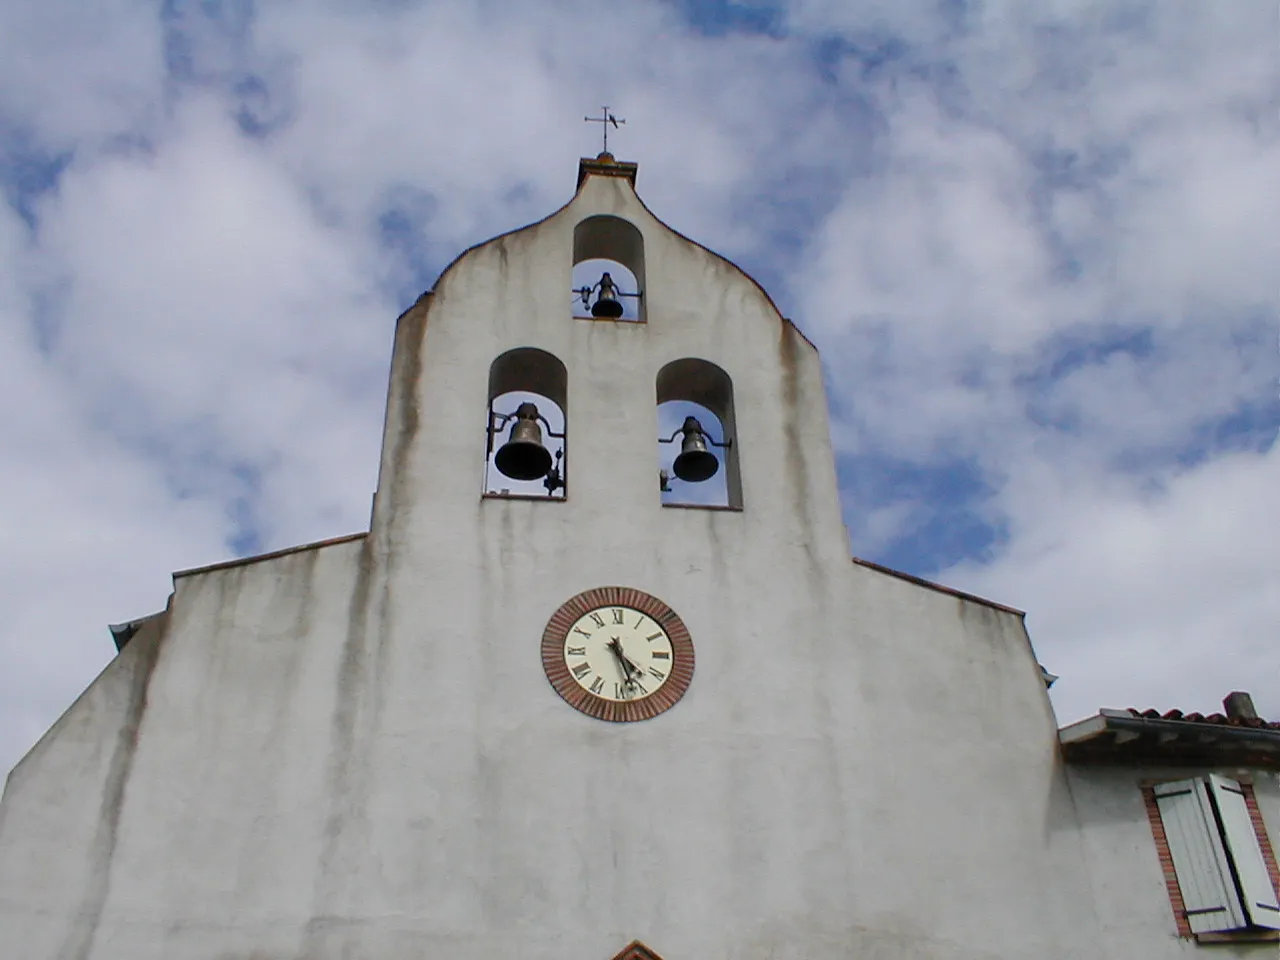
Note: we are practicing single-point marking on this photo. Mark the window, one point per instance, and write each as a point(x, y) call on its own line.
point(690, 470)
point(1217, 861)
point(608, 270)
point(525, 449)
point(697, 390)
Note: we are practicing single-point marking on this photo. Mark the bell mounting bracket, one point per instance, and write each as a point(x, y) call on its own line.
point(585, 294)
point(707, 436)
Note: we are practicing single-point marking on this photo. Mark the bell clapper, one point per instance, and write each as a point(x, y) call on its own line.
point(552, 481)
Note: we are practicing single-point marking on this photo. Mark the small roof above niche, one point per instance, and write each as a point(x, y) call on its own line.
point(604, 165)
point(636, 950)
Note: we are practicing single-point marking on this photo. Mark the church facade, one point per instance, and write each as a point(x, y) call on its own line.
point(556, 705)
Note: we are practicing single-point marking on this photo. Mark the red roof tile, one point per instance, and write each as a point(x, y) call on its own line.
point(1214, 718)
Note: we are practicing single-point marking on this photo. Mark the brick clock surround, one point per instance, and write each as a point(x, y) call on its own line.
point(557, 670)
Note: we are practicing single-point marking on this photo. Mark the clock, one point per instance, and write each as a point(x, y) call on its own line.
point(617, 654)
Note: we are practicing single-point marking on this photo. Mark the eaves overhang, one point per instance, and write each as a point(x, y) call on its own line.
point(1119, 737)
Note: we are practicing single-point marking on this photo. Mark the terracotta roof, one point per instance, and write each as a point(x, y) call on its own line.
point(1218, 718)
point(1173, 737)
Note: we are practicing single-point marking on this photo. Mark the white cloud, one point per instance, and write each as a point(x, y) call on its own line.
point(1149, 598)
point(210, 311)
point(81, 76)
point(944, 235)
point(89, 533)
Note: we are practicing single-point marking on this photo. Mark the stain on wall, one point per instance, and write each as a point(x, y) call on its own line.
point(344, 767)
point(146, 649)
point(797, 464)
point(410, 336)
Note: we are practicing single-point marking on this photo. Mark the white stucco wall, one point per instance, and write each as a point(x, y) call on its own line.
point(352, 751)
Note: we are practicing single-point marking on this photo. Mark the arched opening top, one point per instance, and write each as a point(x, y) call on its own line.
point(530, 370)
point(604, 237)
point(697, 381)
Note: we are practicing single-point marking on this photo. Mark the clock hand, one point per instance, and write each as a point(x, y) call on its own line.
point(635, 673)
point(616, 649)
point(631, 663)
point(624, 663)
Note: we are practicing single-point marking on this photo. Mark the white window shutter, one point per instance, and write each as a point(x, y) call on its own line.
point(1199, 859)
point(1260, 897)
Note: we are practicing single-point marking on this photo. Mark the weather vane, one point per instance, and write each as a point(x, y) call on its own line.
point(604, 121)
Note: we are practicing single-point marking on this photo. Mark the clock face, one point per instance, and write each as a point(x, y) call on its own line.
point(617, 654)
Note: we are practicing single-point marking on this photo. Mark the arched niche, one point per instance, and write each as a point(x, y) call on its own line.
point(520, 376)
point(608, 244)
point(699, 388)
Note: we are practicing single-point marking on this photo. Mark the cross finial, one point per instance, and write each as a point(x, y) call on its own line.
point(604, 122)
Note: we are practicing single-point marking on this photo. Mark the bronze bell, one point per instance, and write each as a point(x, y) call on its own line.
point(695, 463)
point(607, 304)
point(523, 457)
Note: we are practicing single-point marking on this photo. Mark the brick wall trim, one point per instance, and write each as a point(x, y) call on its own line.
point(1166, 862)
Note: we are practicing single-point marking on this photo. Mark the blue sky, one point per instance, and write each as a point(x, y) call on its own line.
point(1035, 244)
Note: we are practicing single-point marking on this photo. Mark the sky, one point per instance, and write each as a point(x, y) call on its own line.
point(1036, 244)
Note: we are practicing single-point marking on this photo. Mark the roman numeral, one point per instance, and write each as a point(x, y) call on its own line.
point(597, 685)
point(581, 631)
point(582, 669)
point(575, 651)
point(599, 620)
point(662, 655)
point(657, 674)
point(617, 615)
point(619, 692)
